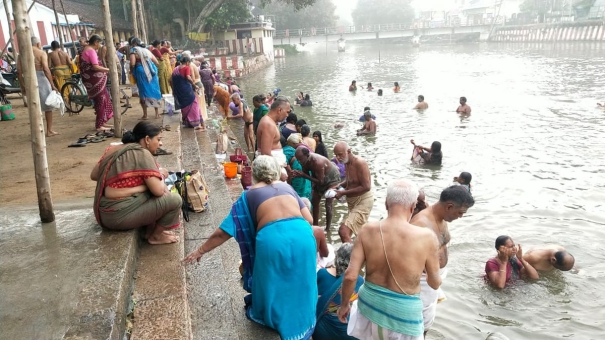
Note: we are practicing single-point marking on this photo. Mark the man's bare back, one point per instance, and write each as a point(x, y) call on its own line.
point(410, 249)
point(426, 219)
point(465, 109)
point(421, 106)
point(58, 58)
point(248, 117)
point(310, 142)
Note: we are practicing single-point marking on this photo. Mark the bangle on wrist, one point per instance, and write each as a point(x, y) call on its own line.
point(502, 270)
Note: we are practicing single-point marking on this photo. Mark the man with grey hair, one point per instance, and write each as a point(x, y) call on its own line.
point(268, 135)
point(45, 82)
point(357, 189)
point(395, 254)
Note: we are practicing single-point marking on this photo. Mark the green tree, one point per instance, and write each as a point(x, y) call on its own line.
point(373, 12)
point(320, 14)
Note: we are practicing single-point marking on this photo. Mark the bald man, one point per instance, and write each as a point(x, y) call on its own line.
point(358, 190)
point(549, 257)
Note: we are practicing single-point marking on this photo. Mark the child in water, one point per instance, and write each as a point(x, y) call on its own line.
point(465, 180)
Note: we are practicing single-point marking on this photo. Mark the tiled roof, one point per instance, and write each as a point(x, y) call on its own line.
point(88, 14)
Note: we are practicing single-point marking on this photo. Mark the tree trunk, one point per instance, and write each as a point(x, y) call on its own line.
point(57, 24)
point(135, 27)
point(112, 61)
point(143, 23)
point(45, 203)
point(125, 8)
point(200, 21)
point(73, 39)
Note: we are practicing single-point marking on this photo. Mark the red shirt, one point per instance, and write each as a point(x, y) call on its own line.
point(184, 70)
point(492, 265)
point(156, 53)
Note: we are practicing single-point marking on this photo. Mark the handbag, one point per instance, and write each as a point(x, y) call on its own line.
point(222, 143)
point(197, 192)
point(239, 156)
point(7, 112)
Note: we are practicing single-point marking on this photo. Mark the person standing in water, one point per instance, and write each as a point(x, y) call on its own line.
point(464, 179)
point(463, 108)
point(396, 87)
point(453, 204)
point(353, 86)
point(422, 105)
point(369, 127)
point(509, 265)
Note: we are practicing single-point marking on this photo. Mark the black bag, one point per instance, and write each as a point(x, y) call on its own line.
point(181, 187)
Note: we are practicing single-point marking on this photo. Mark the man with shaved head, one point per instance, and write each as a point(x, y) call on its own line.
point(357, 189)
point(549, 257)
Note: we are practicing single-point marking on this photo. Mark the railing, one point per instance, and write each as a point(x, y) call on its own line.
point(304, 32)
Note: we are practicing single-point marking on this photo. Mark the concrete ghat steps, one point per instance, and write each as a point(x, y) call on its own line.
point(214, 285)
point(161, 311)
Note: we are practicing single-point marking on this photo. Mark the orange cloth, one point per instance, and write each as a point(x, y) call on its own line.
point(222, 98)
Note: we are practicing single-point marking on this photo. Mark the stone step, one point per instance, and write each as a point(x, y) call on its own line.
point(160, 295)
point(64, 280)
point(216, 296)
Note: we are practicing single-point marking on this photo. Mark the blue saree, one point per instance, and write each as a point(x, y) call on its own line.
point(279, 271)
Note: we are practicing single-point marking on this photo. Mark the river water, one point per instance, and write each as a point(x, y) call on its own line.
point(534, 144)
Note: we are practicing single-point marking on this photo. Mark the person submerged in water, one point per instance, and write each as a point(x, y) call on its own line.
point(353, 86)
point(362, 118)
point(307, 101)
point(369, 127)
point(464, 179)
point(370, 87)
point(509, 265)
point(463, 108)
point(432, 155)
point(550, 257)
point(422, 105)
point(396, 87)
point(379, 92)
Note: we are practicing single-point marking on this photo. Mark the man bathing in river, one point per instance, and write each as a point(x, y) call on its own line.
point(324, 176)
point(463, 108)
point(369, 127)
point(453, 204)
point(549, 257)
point(395, 254)
point(358, 190)
point(422, 105)
point(268, 135)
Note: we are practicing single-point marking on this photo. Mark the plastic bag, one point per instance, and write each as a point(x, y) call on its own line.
point(55, 101)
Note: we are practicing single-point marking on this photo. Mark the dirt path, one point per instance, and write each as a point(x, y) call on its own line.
point(69, 167)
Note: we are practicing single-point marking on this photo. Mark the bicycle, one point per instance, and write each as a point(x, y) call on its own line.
point(76, 97)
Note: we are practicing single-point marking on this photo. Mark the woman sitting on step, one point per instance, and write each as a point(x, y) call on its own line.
point(272, 226)
point(130, 190)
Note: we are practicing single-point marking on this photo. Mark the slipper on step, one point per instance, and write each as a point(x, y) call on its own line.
point(167, 127)
point(75, 145)
point(90, 135)
point(162, 152)
point(98, 139)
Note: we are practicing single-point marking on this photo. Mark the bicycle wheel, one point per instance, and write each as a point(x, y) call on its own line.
point(126, 101)
point(70, 93)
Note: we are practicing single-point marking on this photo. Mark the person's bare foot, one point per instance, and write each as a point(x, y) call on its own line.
point(143, 118)
point(157, 116)
point(199, 128)
point(51, 133)
point(108, 126)
point(162, 239)
point(169, 232)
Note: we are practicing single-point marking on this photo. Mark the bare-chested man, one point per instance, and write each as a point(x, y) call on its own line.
point(453, 204)
point(45, 82)
point(395, 254)
point(422, 105)
point(60, 64)
point(324, 176)
point(463, 108)
point(369, 127)
point(248, 129)
point(357, 188)
point(549, 257)
point(268, 135)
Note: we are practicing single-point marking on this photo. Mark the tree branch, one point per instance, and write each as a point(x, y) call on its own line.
point(211, 6)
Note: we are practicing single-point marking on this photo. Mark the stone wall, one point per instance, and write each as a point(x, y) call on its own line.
point(575, 31)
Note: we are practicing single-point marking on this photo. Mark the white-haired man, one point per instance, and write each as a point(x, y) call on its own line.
point(395, 254)
point(45, 82)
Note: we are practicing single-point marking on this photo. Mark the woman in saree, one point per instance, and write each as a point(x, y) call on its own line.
point(301, 185)
point(130, 189)
point(272, 226)
point(208, 81)
point(164, 72)
point(94, 78)
point(184, 87)
point(329, 284)
point(143, 66)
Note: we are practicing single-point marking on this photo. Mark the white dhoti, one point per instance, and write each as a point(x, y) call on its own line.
point(430, 299)
point(363, 329)
point(323, 262)
point(280, 157)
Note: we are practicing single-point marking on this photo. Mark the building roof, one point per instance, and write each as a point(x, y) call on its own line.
point(88, 14)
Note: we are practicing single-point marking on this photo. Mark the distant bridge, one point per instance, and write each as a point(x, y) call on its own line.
point(367, 32)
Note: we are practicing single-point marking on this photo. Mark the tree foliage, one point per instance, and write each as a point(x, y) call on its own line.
point(372, 12)
point(320, 14)
point(232, 11)
point(297, 4)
